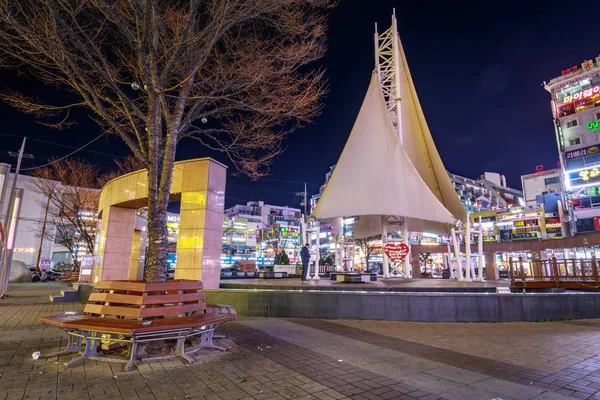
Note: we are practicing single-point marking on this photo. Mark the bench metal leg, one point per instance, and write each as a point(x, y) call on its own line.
point(180, 350)
point(91, 348)
point(206, 340)
point(132, 356)
point(73, 346)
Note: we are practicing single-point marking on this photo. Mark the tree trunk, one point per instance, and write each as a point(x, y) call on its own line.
point(160, 170)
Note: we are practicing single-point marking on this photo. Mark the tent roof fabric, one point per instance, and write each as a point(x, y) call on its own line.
point(375, 176)
point(418, 144)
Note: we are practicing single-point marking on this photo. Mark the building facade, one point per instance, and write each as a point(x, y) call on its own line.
point(489, 192)
point(545, 187)
point(257, 230)
point(575, 101)
point(28, 238)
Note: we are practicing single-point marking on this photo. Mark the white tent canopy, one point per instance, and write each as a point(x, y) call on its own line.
point(418, 144)
point(375, 176)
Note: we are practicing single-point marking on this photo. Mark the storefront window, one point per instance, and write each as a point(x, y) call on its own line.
point(579, 204)
point(585, 225)
point(569, 109)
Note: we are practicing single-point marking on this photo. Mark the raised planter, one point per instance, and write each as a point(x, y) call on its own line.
point(353, 277)
point(290, 269)
point(272, 275)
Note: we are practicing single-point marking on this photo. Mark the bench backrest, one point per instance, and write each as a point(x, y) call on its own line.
point(142, 301)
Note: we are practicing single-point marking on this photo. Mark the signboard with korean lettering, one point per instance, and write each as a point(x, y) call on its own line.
point(581, 95)
point(525, 236)
point(587, 65)
point(594, 125)
point(506, 235)
point(491, 238)
point(587, 151)
point(553, 225)
point(586, 177)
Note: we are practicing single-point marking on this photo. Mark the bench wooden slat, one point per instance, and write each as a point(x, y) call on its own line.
point(61, 319)
point(121, 285)
point(174, 298)
point(117, 298)
point(188, 308)
point(141, 286)
point(112, 310)
point(109, 325)
point(175, 285)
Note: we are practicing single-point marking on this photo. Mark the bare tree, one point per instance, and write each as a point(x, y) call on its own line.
point(367, 246)
point(124, 166)
point(71, 194)
point(149, 70)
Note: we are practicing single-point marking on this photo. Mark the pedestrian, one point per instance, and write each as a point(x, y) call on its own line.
point(305, 257)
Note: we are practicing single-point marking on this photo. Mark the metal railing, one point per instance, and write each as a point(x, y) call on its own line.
point(323, 269)
point(571, 273)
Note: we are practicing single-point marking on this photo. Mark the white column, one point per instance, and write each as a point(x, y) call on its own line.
point(337, 252)
point(406, 262)
point(302, 231)
point(468, 248)
point(480, 250)
point(386, 266)
point(457, 255)
point(318, 254)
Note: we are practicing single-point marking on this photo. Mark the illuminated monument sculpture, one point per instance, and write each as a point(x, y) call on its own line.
point(200, 187)
point(390, 173)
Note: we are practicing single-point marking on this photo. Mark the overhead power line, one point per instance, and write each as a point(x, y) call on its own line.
point(68, 155)
point(63, 145)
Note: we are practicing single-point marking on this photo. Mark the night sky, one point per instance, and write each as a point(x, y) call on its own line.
point(478, 69)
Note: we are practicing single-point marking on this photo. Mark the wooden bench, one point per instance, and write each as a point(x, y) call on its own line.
point(70, 277)
point(137, 313)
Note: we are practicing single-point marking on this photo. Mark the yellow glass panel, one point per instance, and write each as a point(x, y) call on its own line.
point(193, 200)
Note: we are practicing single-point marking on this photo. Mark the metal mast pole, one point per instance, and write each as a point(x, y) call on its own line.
point(388, 64)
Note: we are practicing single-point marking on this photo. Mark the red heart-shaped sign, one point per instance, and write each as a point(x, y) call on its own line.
point(396, 251)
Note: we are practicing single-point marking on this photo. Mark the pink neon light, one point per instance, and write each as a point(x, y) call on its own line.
point(584, 94)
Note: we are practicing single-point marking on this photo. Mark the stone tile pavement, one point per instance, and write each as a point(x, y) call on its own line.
point(312, 359)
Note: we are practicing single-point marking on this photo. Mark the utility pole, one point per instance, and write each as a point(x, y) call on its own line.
point(304, 202)
point(6, 254)
point(305, 198)
point(37, 264)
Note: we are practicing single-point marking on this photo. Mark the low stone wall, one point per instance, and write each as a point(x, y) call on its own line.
point(424, 307)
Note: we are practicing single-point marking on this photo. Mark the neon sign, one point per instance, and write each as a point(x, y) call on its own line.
point(585, 66)
point(587, 174)
point(581, 95)
point(592, 126)
point(567, 71)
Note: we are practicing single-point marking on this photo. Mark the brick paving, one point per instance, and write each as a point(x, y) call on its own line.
point(302, 358)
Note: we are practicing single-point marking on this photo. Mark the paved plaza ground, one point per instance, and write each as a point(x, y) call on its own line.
point(313, 359)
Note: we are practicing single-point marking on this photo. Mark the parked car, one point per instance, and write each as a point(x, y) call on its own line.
point(229, 271)
point(264, 268)
point(45, 276)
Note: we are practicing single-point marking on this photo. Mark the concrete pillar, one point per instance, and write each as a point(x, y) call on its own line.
point(116, 240)
point(201, 224)
point(415, 264)
point(491, 270)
